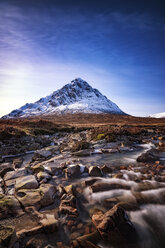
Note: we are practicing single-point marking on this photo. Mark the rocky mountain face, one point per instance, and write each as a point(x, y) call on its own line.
point(77, 96)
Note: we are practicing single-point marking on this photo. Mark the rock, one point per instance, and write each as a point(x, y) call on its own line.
point(128, 202)
point(9, 206)
point(29, 197)
point(5, 170)
point(161, 146)
point(43, 175)
point(106, 170)
point(15, 174)
point(87, 241)
point(148, 157)
point(82, 153)
point(68, 205)
point(94, 171)
point(115, 226)
point(42, 155)
point(49, 223)
point(36, 241)
point(37, 168)
point(7, 236)
point(27, 182)
point(17, 163)
point(74, 171)
point(83, 244)
point(105, 186)
point(47, 194)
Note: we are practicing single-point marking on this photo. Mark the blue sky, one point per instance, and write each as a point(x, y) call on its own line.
point(116, 46)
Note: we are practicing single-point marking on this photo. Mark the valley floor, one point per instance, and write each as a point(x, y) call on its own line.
point(95, 181)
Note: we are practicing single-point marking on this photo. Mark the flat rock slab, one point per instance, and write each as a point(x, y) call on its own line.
point(15, 174)
point(27, 182)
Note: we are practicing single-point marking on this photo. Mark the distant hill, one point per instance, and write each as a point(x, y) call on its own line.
point(158, 115)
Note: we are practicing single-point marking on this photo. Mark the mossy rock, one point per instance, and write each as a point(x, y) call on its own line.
point(9, 206)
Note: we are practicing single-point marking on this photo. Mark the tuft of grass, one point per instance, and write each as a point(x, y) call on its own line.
point(100, 136)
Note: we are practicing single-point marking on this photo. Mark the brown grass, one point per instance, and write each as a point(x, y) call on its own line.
point(71, 122)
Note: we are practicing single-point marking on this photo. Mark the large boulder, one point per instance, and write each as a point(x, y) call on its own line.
point(48, 192)
point(94, 171)
point(27, 182)
point(29, 197)
point(115, 226)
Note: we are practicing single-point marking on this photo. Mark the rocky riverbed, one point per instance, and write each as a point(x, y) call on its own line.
point(80, 191)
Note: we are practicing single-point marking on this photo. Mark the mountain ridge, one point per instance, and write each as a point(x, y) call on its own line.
point(77, 96)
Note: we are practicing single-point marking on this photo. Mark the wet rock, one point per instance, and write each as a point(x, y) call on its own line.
point(7, 236)
point(75, 170)
point(115, 226)
point(83, 244)
point(105, 186)
point(85, 152)
point(161, 146)
point(89, 240)
point(148, 185)
point(27, 182)
point(106, 170)
point(48, 192)
point(118, 175)
point(148, 157)
point(9, 206)
point(128, 202)
point(94, 171)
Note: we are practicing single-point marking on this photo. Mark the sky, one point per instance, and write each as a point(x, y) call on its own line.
point(117, 46)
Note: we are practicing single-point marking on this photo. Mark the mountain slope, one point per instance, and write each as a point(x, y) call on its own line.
point(158, 115)
point(78, 96)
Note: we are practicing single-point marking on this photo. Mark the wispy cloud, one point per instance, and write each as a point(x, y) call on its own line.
point(49, 45)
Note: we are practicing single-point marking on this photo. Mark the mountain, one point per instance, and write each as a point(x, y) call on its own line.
point(78, 96)
point(158, 115)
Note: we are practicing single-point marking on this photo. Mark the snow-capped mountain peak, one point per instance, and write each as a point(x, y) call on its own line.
point(77, 96)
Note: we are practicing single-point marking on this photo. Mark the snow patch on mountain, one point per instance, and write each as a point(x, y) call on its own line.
point(78, 96)
point(158, 115)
